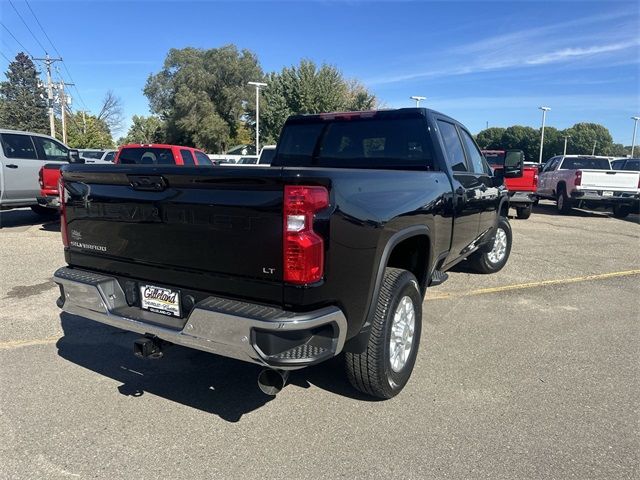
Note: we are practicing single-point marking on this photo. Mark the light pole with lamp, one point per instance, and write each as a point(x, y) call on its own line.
point(566, 137)
point(635, 127)
point(258, 85)
point(544, 116)
point(417, 99)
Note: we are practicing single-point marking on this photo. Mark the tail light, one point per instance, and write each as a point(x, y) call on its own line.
point(303, 249)
point(40, 181)
point(63, 212)
point(535, 180)
point(578, 180)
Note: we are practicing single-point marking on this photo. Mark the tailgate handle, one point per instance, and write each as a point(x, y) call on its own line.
point(610, 173)
point(155, 183)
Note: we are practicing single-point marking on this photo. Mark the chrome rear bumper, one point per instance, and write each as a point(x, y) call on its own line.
point(251, 332)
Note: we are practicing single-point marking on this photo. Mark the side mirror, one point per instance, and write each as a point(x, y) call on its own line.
point(514, 164)
point(498, 177)
point(74, 157)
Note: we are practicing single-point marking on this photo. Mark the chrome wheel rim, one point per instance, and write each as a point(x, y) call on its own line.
point(402, 331)
point(499, 249)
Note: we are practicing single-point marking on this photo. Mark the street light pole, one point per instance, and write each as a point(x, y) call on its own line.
point(635, 127)
point(593, 152)
point(258, 85)
point(417, 98)
point(566, 137)
point(544, 116)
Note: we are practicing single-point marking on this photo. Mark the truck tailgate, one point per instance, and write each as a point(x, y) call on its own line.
point(620, 181)
point(526, 183)
point(196, 222)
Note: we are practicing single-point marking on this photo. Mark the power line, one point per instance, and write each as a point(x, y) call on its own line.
point(6, 58)
point(25, 24)
point(17, 41)
point(58, 53)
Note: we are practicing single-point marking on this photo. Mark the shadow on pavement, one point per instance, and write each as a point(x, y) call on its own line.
point(551, 209)
point(225, 387)
point(25, 217)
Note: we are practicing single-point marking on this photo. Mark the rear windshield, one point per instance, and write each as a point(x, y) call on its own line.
point(97, 155)
point(146, 156)
point(494, 158)
point(586, 164)
point(394, 143)
point(633, 165)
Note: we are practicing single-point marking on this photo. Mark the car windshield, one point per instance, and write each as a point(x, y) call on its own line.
point(586, 163)
point(495, 158)
point(146, 156)
point(267, 155)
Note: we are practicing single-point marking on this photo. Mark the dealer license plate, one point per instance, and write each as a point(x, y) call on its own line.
point(607, 193)
point(160, 300)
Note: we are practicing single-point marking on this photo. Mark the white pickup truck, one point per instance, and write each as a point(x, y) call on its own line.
point(577, 180)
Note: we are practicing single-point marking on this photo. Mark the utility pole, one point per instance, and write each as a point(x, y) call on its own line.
point(544, 116)
point(417, 98)
point(258, 85)
point(84, 123)
point(63, 108)
point(566, 137)
point(635, 127)
point(48, 61)
point(593, 152)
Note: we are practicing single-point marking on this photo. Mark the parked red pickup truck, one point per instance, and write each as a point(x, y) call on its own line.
point(522, 189)
point(132, 154)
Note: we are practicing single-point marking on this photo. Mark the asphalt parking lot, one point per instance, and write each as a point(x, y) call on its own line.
point(528, 373)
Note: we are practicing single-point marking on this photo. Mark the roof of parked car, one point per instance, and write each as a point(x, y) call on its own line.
point(155, 145)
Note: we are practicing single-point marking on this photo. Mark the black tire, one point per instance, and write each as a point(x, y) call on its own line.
point(523, 212)
point(44, 211)
point(484, 261)
point(563, 202)
point(371, 371)
point(621, 211)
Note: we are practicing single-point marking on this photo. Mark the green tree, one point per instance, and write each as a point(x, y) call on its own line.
point(490, 138)
point(145, 130)
point(87, 131)
point(22, 101)
point(522, 138)
point(583, 137)
point(201, 95)
point(306, 88)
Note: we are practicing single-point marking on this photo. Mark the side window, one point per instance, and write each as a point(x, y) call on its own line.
point(18, 146)
point(473, 153)
point(50, 149)
point(550, 165)
point(187, 158)
point(453, 147)
point(109, 157)
point(202, 159)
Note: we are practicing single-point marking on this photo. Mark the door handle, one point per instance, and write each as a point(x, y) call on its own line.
point(12, 165)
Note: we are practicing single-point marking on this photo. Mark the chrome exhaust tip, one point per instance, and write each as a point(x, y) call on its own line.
point(271, 381)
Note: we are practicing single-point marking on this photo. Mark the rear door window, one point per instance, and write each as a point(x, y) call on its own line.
point(18, 146)
point(51, 150)
point(452, 146)
point(187, 158)
point(473, 153)
point(109, 157)
point(146, 156)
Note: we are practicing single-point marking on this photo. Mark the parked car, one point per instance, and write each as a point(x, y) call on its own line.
point(21, 157)
point(580, 180)
point(160, 154)
point(522, 190)
point(631, 164)
point(330, 250)
point(90, 155)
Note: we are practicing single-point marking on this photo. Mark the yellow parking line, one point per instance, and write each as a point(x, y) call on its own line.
point(522, 286)
point(11, 344)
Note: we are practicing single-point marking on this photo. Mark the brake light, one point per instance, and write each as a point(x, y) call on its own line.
point(40, 177)
point(303, 249)
point(63, 212)
point(535, 180)
point(578, 180)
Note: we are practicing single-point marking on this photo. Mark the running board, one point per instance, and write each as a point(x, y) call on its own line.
point(438, 278)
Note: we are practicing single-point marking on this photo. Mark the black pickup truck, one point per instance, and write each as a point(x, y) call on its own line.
point(330, 249)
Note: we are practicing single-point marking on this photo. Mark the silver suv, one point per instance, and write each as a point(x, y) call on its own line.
point(21, 157)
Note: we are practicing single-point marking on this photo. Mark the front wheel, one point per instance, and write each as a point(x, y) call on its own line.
point(496, 258)
point(384, 368)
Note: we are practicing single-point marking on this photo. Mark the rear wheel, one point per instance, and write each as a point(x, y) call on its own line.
point(523, 212)
point(44, 211)
point(496, 258)
point(621, 211)
point(384, 368)
point(563, 201)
